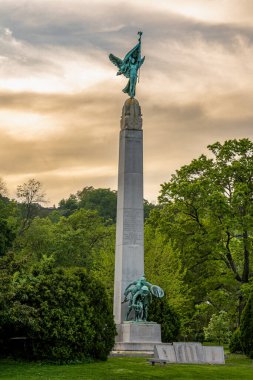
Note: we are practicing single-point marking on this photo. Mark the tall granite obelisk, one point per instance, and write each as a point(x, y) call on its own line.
point(129, 254)
point(136, 334)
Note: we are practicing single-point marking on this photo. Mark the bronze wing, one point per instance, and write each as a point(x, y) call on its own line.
point(115, 60)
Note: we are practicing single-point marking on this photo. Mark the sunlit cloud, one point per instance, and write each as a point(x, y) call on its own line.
point(61, 101)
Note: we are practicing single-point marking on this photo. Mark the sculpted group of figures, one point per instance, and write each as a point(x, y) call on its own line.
point(139, 295)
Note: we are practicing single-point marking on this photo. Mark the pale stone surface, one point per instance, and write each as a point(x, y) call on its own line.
point(137, 336)
point(165, 352)
point(131, 115)
point(189, 352)
point(137, 332)
point(134, 347)
point(129, 255)
point(214, 354)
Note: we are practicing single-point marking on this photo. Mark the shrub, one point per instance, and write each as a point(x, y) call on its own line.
point(246, 328)
point(161, 312)
point(235, 345)
point(218, 328)
point(63, 313)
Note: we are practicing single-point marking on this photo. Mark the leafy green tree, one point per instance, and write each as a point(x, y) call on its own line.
point(235, 345)
point(64, 313)
point(7, 236)
point(246, 328)
point(207, 211)
point(164, 268)
point(104, 201)
point(8, 220)
point(161, 312)
point(218, 329)
point(76, 240)
point(69, 205)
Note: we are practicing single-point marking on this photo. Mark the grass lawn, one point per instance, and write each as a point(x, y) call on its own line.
point(237, 367)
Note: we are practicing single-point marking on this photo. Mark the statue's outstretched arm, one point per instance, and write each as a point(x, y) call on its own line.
point(141, 62)
point(131, 284)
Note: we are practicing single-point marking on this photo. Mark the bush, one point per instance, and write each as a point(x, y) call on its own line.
point(235, 345)
point(246, 328)
point(63, 313)
point(218, 328)
point(161, 312)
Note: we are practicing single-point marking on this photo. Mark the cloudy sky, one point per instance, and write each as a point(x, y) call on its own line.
point(60, 100)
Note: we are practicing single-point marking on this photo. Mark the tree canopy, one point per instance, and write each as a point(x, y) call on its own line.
point(207, 213)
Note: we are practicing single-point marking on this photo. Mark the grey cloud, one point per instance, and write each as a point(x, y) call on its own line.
point(108, 26)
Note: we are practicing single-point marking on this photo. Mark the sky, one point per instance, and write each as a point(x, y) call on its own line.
point(61, 101)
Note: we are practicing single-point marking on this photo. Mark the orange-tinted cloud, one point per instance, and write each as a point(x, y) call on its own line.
point(60, 100)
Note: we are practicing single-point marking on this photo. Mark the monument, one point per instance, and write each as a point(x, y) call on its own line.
point(132, 292)
point(135, 333)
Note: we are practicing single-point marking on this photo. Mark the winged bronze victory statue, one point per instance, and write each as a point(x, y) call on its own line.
point(130, 66)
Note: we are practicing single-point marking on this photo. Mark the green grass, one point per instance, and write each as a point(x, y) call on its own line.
point(237, 367)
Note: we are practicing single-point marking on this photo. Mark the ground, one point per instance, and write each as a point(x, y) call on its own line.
point(237, 367)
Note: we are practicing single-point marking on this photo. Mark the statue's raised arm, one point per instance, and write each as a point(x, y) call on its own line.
point(130, 66)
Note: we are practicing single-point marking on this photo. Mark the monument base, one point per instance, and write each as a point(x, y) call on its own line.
point(137, 336)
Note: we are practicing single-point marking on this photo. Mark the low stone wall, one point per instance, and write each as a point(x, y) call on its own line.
point(189, 352)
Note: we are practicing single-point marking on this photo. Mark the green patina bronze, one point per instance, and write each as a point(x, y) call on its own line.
point(130, 66)
point(139, 295)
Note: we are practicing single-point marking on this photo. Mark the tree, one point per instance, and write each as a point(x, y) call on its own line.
point(163, 267)
point(31, 195)
point(218, 329)
point(160, 311)
point(7, 237)
point(207, 210)
point(83, 239)
point(7, 212)
point(235, 345)
point(246, 328)
point(104, 201)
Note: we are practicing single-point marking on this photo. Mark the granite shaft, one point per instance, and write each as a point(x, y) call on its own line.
point(129, 253)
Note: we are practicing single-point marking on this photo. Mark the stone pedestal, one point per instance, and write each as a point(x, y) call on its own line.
point(137, 336)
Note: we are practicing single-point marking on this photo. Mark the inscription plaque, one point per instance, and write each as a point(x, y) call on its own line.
point(165, 352)
point(133, 222)
point(191, 352)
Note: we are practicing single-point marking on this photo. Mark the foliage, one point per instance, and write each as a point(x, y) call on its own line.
point(74, 241)
point(246, 328)
point(7, 236)
point(235, 345)
point(207, 212)
point(218, 329)
point(64, 313)
point(104, 201)
point(3, 188)
point(161, 312)
point(8, 224)
point(164, 268)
